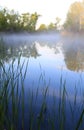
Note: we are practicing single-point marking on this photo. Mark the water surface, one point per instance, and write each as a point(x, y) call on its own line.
point(53, 60)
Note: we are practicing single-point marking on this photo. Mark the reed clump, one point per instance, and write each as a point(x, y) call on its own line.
point(31, 111)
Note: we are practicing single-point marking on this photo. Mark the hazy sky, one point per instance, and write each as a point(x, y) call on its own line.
point(49, 9)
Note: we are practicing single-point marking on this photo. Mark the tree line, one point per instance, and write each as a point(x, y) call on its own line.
point(13, 21)
point(51, 26)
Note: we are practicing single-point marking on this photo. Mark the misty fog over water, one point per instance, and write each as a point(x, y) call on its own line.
point(51, 56)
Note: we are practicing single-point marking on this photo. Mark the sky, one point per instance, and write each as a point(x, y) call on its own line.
point(49, 9)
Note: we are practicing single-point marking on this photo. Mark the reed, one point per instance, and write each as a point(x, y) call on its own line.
point(12, 102)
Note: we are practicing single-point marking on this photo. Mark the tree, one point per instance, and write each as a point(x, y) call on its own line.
point(57, 23)
point(33, 21)
point(75, 17)
point(3, 19)
point(51, 26)
point(29, 21)
point(25, 17)
point(42, 27)
point(12, 21)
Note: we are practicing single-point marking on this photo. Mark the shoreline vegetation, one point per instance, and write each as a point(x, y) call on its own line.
point(12, 21)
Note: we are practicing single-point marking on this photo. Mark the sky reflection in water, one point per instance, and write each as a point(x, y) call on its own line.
point(51, 56)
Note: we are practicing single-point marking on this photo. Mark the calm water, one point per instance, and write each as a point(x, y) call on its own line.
point(53, 60)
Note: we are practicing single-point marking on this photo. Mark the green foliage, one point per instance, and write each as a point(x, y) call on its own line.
point(42, 27)
point(33, 20)
point(51, 26)
point(12, 21)
point(3, 19)
point(56, 25)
